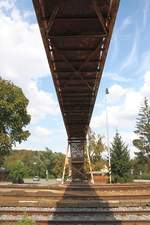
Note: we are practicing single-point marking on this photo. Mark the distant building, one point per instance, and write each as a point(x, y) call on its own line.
point(101, 176)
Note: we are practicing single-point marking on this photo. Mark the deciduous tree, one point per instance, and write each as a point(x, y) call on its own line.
point(96, 147)
point(13, 117)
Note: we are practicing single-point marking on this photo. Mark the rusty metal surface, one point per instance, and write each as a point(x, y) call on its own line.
point(76, 36)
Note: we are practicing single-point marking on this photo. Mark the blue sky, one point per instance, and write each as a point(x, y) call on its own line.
point(126, 73)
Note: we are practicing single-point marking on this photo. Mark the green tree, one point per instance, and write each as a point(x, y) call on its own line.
point(37, 162)
point(58, 164)
point(120, 160)
point(143, 130)
point(140, 165)
point(96, 147)
point(13, 117)
point(17, 171)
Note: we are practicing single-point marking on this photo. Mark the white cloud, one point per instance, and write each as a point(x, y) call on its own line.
point(145, 65)
point(147, 78)
point(127, 21)
point(27, 15)
point(40, 138)
point(55, 139)
point(128, 137)
point(6, 5)
point(22, 53)
point(132, 57)
point(116, 92)
point(146, 9)
point(41, 103)
point(146, 87)
point(42, 132)
point(123, 115)
point(23, 59)
point(114, 48)
point(117, 77)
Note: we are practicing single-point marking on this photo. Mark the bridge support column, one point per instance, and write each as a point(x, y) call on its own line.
point(77, 149)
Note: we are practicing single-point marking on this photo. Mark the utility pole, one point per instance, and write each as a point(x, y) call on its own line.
point(107, 134)
point(88, 157)
point(65, 164)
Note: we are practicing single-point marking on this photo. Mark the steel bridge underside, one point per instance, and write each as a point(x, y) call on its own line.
point(76, 35)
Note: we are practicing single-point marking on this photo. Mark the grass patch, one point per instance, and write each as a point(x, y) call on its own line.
point(24, 221)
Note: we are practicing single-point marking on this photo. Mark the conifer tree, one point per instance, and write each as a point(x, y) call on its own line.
point(143, 130)
point(120, 160)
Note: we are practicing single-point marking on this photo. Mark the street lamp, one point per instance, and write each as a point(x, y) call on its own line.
point(107, 134)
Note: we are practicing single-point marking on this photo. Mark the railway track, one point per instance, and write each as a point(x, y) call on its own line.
point(77, 204)
point(133, 222)
point(75, 198)
point(58, 195)
point(122, 211)
point(100, 220)
point(58, 186)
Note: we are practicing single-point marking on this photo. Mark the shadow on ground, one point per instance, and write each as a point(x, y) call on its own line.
point(82, 204)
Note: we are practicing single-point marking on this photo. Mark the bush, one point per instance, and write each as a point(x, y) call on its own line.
point(144, 176)
point(124, 179)
point(24, 221)
point(17, 172)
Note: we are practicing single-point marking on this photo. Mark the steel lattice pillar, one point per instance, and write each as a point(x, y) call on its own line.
point(77, 149)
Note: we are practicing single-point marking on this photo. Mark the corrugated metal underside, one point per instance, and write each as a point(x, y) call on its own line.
point(76, 36)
